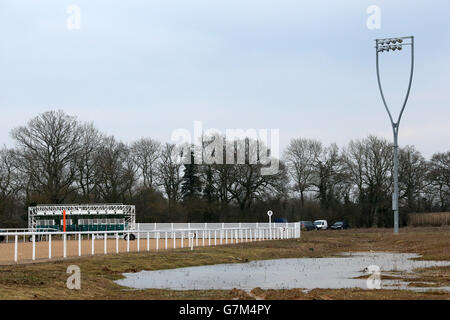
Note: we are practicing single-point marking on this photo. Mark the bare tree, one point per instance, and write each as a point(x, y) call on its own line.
point(412, 177)
point(300, 157)
point(115, 173)
point(46, 150)
point(169, 172)
point(439, 178)
point(370, 163)
point(247, 183)
point(145, 154)
point(9, 176)
point(87, 159)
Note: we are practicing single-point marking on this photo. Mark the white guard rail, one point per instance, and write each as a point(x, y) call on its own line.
point(218, 234)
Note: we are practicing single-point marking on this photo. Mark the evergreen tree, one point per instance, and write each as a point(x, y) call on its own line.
point(191, 183)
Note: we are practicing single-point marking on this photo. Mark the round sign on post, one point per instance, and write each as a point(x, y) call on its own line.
point(269, 213)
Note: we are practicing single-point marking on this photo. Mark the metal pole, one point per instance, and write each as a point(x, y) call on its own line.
point(395, 126)
point(395, 196)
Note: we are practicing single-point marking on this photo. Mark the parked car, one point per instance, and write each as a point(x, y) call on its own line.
point(307, 225)
point(339, 225)
point(279, 220)
point(321, 224)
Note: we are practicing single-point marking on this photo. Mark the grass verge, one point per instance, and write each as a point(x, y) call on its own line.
point(47, 280)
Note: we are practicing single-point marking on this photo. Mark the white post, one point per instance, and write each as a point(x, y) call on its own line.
point(221, 236)
point(33, 240)
point(148, 241)
point(157, 241)
point(65, 245)
point(50, 246)
point(138, 241)
point(166, 239)
point(79, 245)
point(15, 247)
point(174, 240)
point(117, 242)
point(226, 236)
point(182, 239)
point(209, 237)
point(215, 237)
point(93, 244)
point(196, 238)
point(203, 236)
point(105, 245)
point(128, 242)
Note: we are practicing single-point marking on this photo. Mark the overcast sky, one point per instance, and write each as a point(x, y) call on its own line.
point(145, 68)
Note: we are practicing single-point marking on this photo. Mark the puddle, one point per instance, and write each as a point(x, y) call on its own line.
point(307, 273)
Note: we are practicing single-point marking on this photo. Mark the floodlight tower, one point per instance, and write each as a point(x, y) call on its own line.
point(393, 44)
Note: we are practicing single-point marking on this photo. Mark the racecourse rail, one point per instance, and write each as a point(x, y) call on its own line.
point(41, 244)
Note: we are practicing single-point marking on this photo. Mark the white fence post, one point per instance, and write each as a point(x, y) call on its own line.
point(166, 239)
point(203, 238)
point(93, 244)
point(33, 254)
point(65, 245)
point(182, 239)
point(105, 243)
point(128, 242)
point(138, 236)
point(79, 245)
point(50, 246)
point(157, 240)
point(15, 247)
point(148, 241)
point(117, 242)
point(174, 240)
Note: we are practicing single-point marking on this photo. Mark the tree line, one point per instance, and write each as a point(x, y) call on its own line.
point(58, 159)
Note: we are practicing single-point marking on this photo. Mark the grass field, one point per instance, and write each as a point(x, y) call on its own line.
point(47, 280)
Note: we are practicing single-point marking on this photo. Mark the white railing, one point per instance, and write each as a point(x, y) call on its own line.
point(160, 239)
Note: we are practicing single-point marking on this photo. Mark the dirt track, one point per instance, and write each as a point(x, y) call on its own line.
point(24, 252)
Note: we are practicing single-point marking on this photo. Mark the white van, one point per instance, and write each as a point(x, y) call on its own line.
point(321, 224)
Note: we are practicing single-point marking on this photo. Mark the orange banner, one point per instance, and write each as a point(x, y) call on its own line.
point(64, 220)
